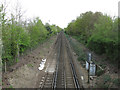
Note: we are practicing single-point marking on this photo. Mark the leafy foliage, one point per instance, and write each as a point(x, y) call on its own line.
point(18, 36)
point(98, 32)
point(116, 81)
point(52, 29)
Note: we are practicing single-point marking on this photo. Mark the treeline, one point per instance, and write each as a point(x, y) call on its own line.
point(19, 36)
point(98, 32)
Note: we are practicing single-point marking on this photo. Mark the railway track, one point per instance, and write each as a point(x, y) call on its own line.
point(59, 79)
point(65, 74)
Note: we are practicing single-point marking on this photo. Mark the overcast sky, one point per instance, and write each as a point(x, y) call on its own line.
point(61, 12)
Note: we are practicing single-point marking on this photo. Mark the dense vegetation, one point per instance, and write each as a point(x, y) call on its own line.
point(98, 32)
point(19, 36)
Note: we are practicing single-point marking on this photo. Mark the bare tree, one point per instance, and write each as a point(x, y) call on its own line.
point(18, 12)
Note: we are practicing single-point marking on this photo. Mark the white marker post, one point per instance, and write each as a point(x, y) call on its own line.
point(89, 59)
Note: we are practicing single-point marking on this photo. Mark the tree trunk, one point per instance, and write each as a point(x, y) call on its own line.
point(18, 54)
point(5, 66)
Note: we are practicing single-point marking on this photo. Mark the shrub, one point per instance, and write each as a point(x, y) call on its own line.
point(98, 32)
point(99, 72)
point(116, 81)
point(106, 78)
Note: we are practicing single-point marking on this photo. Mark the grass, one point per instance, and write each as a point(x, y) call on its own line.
point(2, 83)
point(108, 82)
point(78, 50)
point(103, 66)
point(29, 65)
point(99, 72)
point(51, 41)
point(10, 86)
point(116, 81)
point(82, 57)
point(106, 78)
point(17, 60)
point(103, 85)
point(104, 82)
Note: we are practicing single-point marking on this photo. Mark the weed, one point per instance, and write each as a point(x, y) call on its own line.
point(10, 86)
point(103, 66)
point(78, 50)
point(17, 60)
point(116, 81)
point(107, 78)
point(2, 83)
point(99, 72)
point(29, 65)
point(105, 81)
point(102, 85)
point(81, 57)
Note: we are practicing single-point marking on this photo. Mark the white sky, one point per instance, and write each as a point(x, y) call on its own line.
point(62, 12)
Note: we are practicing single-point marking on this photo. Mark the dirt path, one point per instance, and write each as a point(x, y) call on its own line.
point(49, 66)
point(25, 73)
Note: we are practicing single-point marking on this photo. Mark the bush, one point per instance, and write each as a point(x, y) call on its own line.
point(106, 78)
point(99, 72)
point(98, 32)
point(116, 81)
point(105, 82)
point(82, 57)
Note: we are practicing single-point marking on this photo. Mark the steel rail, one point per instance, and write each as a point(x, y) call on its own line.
point(57, 65)
point(72, 67)
point(76, 82)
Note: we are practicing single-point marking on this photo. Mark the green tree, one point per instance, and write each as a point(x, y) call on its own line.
point(99, 32)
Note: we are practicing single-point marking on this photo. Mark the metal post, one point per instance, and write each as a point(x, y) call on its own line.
point(89, 59)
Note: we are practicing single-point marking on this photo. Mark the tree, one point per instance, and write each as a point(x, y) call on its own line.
point(0, 41)
point(99, 32)
point(18, 35)
point(4, 31)
point(16, 21)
